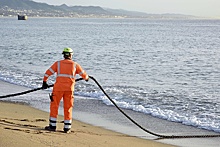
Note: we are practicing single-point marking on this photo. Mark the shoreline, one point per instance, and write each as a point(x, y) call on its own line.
point(91, 118)
point(23, 125)
point(66, 17)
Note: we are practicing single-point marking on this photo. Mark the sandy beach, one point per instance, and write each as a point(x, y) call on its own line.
point(168, 85)
point(22, 125)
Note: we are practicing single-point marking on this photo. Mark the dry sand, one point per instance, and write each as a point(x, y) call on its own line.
point(22, 125)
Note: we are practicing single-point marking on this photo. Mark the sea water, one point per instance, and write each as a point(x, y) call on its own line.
point(165, 68)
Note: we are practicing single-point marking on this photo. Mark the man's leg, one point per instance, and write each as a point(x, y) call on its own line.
point(68, 100)
point(54, 105)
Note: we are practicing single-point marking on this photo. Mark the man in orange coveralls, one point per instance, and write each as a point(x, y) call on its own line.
point(66, 71)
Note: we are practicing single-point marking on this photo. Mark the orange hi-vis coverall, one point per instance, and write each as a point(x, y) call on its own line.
point(66, 71)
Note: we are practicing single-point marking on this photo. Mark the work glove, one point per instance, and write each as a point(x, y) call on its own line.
point(45, 85)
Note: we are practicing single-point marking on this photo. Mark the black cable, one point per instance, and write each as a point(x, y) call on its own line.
point(29, 91)
point(155, 134)
point(133, 121)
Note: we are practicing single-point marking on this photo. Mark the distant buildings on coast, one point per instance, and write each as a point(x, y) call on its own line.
point(9, 12)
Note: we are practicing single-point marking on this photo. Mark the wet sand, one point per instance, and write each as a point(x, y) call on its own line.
point(23, 125)
point(92, 123)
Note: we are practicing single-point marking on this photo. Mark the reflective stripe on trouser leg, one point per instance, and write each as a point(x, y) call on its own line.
point(53, 121)
point(68, 108)
point(67, 124)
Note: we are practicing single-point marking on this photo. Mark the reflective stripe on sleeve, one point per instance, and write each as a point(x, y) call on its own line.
point(51, 70)
point(81, 72)
point(46, 75)
point(74, 70)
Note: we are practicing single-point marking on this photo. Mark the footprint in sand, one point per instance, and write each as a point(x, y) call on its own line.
point(27, 128)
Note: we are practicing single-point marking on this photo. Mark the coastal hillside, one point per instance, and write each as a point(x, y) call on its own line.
point(35, 9)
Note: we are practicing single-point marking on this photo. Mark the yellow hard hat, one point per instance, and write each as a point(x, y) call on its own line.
point(67, 50)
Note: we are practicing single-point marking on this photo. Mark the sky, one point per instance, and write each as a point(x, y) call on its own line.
point(206, 8)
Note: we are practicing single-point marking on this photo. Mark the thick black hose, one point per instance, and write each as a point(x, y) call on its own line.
point(29, 91)
point(152, 133)
point(133, 121)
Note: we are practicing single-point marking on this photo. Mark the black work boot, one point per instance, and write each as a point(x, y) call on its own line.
point(50, 128)
point(66, 130)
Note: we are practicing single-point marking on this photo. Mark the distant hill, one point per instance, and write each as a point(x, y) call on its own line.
point(31, 8)
point(146, 15)
point(24, 4)
point(31, 5)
